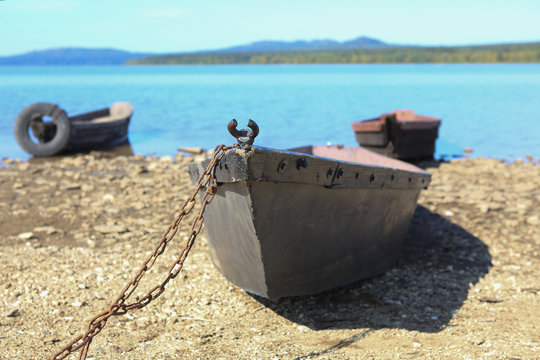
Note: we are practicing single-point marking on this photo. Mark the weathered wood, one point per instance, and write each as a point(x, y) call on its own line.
point(285, 223)
point(293, 167)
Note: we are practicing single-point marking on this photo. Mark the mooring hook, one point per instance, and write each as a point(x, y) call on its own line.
point(245, 137)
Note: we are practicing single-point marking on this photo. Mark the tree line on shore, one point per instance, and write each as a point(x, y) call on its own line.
point(504, 53)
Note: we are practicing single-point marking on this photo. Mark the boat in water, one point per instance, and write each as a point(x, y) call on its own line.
point(298, 222)
point(44, 129)
point(402, 134)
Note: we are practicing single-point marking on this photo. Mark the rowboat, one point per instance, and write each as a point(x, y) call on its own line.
point(402, 134)
point(44, 129)
point(301, 221)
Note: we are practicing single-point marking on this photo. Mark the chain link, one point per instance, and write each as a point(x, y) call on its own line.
point(119, 307)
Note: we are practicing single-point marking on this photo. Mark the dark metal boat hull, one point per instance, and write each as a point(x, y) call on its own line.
point(101, 128)
point(88, 135)
point(278, 232)
point(44, 129)
point(401, 134)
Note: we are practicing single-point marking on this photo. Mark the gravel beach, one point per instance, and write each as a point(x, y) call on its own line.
point(73, 230)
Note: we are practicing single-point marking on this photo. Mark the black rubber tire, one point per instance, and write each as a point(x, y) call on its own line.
point(60, 139)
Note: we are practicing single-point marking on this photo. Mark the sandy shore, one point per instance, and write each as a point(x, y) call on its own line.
point(73, 231)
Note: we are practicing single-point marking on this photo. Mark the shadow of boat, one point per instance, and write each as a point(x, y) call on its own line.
point(438, 264)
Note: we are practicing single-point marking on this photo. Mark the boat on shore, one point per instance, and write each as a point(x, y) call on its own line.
point(401, 134)
point(298, 222)
point(44, 129)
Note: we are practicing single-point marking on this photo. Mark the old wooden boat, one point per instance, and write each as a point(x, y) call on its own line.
point(402, 134)
point(298, 222)
point(44, 129)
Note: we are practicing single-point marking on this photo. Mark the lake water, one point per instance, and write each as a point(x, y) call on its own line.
point(494, 109)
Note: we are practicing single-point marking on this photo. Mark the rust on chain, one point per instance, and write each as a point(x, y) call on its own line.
point(120, 306)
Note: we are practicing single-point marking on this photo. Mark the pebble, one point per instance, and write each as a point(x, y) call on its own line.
point(490, 299)
point(478, 341)
point(72, 186)
point(483, 207)
point(108, 229)
point(49, 230)
point(18, 185)
point(14, 313)
point(303, 328)
point(26, 235)
point(192, 151)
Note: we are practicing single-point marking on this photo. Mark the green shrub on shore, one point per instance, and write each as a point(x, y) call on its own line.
point(507, 53)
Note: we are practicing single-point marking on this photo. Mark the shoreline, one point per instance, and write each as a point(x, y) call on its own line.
point(7, 161)
point(73, 231)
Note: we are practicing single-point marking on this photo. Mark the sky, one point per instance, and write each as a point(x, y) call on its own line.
point(168, 26)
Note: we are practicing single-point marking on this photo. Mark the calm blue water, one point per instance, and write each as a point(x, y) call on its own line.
point(495, 109)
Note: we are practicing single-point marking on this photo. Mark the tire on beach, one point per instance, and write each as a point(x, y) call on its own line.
point(54, 135)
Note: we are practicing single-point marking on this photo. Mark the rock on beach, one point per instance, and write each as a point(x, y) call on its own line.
point(74, 230)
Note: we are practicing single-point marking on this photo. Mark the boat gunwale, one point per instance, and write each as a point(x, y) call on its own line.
point(91, 115)
point(339, 147)
point(256, 165)
point(104, 116)
point(105, 120)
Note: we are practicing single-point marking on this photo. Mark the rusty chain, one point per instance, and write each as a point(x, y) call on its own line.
point(119, 306)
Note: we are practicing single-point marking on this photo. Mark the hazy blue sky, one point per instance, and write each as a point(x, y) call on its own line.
point(189, 25)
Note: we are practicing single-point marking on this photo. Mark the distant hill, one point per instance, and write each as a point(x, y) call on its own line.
point(362, 50)
point(300, 45)
point(72, 56)
point(84, 56)
point(503, 53)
